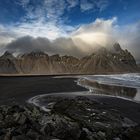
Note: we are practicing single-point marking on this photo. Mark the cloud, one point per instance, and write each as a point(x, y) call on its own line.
point(102, 4)
point(129, 38)
point(86, 5)
point(48, 10)
point(94, 5)
point(99, 32)
point(63, 46)
point(44, 18)
point(107, 32)
point(72, 3)
point(6, 35)
point(70, 40)
point(54, 10)
point(99, 25)
point(36, 29)
point(23, 3)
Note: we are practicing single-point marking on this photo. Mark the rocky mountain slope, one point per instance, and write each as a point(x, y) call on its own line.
point(102, 60)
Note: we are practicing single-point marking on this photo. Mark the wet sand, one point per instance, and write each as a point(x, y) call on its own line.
point(20, 89)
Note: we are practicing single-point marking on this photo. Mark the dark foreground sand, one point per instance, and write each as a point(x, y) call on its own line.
point(20, 89)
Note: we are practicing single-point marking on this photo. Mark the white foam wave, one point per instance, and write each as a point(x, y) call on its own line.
point(127, 80)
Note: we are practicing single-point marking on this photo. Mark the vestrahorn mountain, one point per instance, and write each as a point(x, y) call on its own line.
point(103, 60)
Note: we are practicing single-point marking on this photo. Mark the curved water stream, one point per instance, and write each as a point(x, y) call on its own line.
point(125, 86)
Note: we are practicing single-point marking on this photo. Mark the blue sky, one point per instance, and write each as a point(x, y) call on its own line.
point(71, 12)
point(93, 21)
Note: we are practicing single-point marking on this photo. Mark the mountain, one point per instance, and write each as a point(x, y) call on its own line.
point(113, 60)
point(103, 60)
point(8, 64)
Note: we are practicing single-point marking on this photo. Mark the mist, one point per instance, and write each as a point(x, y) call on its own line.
point(62, 46)
point(82, 41)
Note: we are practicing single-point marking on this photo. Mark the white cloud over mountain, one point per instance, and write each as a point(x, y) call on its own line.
point(81, 41)
point(45, 23)
point(44, 18)
point(106, 32)
point(101, 32)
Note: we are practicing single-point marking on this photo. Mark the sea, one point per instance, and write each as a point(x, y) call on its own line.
point(124, 86)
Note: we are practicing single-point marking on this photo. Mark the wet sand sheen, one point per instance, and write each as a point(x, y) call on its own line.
point(127, 93)
point(20, 89)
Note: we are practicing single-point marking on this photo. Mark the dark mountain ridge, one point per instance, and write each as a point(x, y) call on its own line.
point(102, 60)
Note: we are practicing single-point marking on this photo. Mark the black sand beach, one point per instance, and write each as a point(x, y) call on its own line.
point(21, 88)
point(18, 89)
point(72, 117)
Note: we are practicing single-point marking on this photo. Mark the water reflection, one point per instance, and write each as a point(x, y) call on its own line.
point(121, 91)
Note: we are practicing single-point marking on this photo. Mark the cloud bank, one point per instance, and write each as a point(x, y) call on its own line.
point(45, 27)
point(46, 18)
point(63, 46)
point(107, 32)
point(83, 40)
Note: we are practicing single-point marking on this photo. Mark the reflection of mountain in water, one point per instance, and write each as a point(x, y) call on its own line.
point(98, 88)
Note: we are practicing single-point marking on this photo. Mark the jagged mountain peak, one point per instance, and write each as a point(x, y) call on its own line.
point(99, 51)
point(117, 47)
point(7, 55)
point(101, 61)
point(55, 57)
point(34, 54)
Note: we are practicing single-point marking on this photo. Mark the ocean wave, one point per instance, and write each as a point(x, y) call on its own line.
point(127, 80)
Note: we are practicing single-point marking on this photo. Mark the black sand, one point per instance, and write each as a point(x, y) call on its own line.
point(20, 89)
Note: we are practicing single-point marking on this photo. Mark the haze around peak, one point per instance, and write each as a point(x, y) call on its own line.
point(66, 26)
point(82, 41)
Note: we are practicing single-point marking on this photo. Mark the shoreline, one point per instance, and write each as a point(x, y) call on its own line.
point(125, 107)
point(17, 90)
point(82, 117)
point(66, 74)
